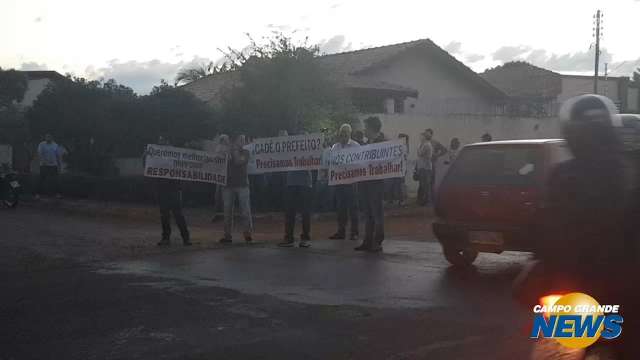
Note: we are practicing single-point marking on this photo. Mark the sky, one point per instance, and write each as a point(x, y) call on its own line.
point(139, 42)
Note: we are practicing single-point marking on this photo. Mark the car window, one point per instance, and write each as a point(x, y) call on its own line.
point(560, 153)
point(504, 165)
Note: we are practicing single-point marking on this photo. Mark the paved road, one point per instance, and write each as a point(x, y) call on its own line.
point(86, 288)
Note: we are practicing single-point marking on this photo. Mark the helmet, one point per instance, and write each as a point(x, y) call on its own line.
point(588, 125)
point(590, 107)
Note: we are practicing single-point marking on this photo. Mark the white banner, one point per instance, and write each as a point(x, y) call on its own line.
point(170, 162)
point(285, 153)
point(370, 162)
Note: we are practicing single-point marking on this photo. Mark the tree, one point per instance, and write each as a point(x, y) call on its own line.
point(188, 75)
point(99, 120)
point(13, 85)
point(635, 78)
point(281, 86)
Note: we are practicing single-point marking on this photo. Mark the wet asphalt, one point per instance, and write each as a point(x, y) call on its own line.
point(75, 287)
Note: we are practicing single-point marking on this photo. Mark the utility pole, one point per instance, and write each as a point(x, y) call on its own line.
point(598, 26)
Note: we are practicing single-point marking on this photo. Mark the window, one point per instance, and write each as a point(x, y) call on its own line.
point(398, 106)
point(500, 165)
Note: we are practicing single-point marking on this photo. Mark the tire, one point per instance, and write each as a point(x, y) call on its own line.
point(460, 257)
point(11, 198)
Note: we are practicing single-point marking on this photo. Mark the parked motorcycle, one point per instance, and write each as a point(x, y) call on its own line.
point(9, 188)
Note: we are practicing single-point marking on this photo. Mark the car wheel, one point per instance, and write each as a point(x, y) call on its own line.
point(460, 257)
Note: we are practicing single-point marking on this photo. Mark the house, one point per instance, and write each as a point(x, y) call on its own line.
point(37, 81)
point(416, 77)
point(413, 86)
point(539, 89)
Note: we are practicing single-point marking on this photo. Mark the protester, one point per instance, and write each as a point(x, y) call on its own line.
point(486, 137)
point(373, 194)
point(169, 197)
point(298, 199)
point(347, 194)
point(454, 148)
point(324, 194)
point(438, 151)
point(397, 190)
point(222, 146)
point(424, 167)
point(237, 187)
point(358, 136)
point(50, 155)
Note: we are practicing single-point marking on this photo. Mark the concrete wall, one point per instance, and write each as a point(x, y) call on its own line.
point(574, 86)
point(129, 166)
point(633, 99)
point(439, 89)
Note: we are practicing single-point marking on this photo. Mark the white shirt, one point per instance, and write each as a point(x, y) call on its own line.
point(49, 154)
point(339, 145)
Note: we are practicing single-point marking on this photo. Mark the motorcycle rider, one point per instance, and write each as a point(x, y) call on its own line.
point(583, 245)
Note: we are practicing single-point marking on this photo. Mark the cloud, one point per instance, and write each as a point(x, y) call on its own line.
point(334, 45)
point(471, 58)
point(453, 47)
point(510, 53)
point(141, 76)
point(578, 62)
point(33, 66)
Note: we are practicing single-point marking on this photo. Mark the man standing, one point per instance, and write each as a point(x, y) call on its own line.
point(346, 195)
point(425, 168)
point(169, 195)
point(438, 151)
point(50, 164)
point(373, 195)
point(237, 186)
point(298, 197)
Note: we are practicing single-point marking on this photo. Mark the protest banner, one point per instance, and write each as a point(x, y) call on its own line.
point(370, 162)
point(285, 153)
point(170, 162)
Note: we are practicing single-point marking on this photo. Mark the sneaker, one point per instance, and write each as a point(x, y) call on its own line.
point(375, 249)
point(287, 243)
point(362, 247)
point(225, 240)
point(164, 242)
point(354, 237)
point(337, 236)
point(187, 242)
point(305, 243)
point(248, 239)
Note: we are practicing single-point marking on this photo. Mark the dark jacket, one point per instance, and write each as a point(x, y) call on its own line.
point(237, 168)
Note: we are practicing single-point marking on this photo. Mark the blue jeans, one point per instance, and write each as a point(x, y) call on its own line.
point(228, 197)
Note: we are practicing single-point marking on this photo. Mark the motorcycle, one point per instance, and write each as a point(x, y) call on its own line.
point(9, 188)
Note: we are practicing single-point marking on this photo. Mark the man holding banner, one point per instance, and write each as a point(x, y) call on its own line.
point(368, 166)
point(169, 165)
point(237, 186)
point(346, 195)
point(169, 197)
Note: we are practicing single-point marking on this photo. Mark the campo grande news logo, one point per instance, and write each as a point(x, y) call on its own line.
point(576, 320)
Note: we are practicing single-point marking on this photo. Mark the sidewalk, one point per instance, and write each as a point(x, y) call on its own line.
point(407, 223)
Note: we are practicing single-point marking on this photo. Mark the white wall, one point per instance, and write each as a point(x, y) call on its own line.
point(633, 99)
point(439, 89)
point(34, 88)
point(574, 86)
